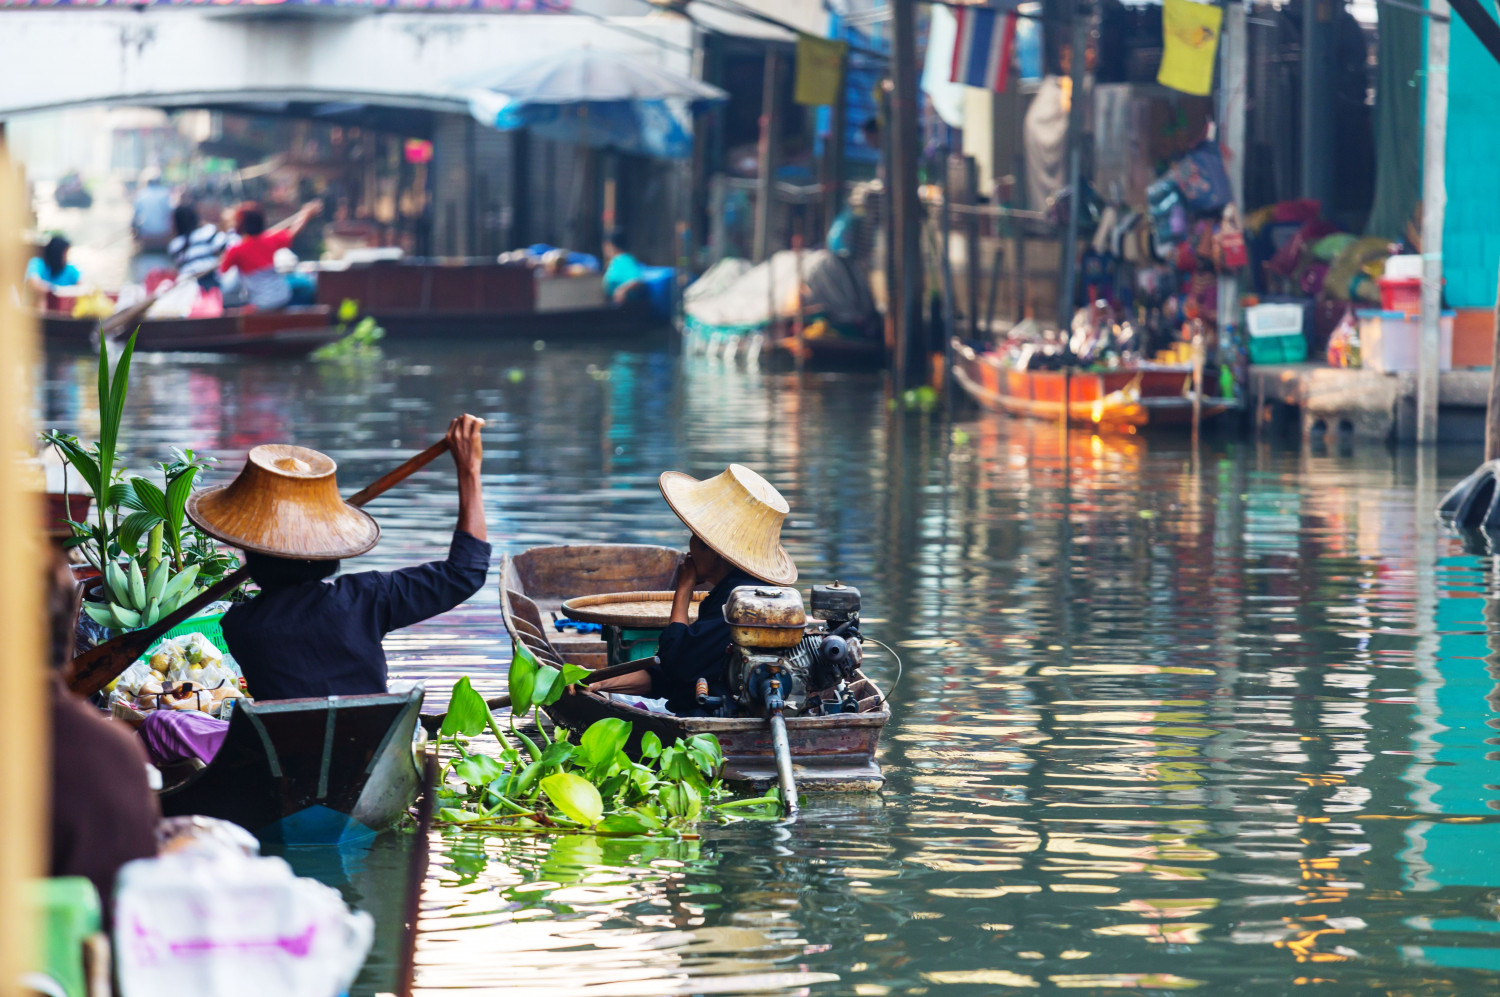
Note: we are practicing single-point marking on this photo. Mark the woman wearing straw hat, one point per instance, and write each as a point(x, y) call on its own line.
point(309, 634)
point(735, 518)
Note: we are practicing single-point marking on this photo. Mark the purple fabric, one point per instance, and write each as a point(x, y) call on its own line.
point(172, 736)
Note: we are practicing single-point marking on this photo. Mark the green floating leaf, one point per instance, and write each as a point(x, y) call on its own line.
point(682, 800)
point(478, 770)
point(574, 796)
point(602, 740)
point(549, 686)
point(467, 713)
point(573, 674)
point(629, 822)
point(650, 745)
point(522, 678)
point(557, 753)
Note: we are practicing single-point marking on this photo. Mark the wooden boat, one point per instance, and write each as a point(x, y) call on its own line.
point(830, 352)
point(1127, 398)
point(332, 770)
point(487, 300)
point(834, 753)
point(289, 332)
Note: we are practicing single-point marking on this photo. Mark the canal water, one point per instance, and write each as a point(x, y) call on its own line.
point(1165, 719)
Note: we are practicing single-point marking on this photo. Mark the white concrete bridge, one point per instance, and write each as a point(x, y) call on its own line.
point(181, 57)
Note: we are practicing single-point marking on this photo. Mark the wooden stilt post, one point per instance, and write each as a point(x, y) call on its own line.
point(770, 122)
point(971, 244)
point(838, 127)
point(906, 207)
point(1434, 207)
point(1068, 289)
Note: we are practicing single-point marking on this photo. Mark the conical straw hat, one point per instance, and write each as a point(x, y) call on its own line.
point(285, 503)
point(738, 514)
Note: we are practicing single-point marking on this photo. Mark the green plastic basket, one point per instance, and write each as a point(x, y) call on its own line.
point(209, 626)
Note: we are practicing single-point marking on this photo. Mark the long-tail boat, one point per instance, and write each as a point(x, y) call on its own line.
point(288, 332)
point(1127, 398)
point(831, 753)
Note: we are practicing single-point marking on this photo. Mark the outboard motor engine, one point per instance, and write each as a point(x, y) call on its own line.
point(766, 622)
point(834, 648)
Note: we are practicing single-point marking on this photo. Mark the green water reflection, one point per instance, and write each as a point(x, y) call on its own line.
point(1169, 720)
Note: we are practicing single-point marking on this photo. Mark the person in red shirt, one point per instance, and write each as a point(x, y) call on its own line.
point(254, 256)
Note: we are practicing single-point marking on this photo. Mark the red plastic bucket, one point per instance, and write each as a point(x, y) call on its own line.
point(1401, 294)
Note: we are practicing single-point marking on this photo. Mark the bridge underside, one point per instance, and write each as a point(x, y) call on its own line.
point(326, 66)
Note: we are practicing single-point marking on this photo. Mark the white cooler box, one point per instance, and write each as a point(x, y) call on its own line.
point(1390, 341)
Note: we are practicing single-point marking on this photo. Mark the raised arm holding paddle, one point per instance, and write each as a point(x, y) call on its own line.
point(307, 633)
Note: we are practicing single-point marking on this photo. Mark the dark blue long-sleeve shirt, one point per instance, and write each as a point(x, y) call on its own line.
point(323, 638)
point(690, 652)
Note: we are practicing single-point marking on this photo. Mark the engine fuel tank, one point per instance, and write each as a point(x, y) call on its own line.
point(765, 616)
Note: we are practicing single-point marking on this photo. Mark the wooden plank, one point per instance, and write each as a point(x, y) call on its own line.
point(24, 736)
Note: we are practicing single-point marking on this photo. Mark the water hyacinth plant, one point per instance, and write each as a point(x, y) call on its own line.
point(591, 786)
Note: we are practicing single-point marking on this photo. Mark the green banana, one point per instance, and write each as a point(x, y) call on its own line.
point(101, 613)
point(181, 583)
point(126, 619)
point(137, 587)
point(152, 613)
point(117, 588)
point(158, 583)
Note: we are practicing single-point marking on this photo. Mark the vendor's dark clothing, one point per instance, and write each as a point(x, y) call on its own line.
point(104, 812)
point(690, 652)
point(323, 638)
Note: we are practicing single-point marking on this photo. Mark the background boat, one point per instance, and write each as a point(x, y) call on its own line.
point(489, 300)
point(289, 332)
point(1124, 398)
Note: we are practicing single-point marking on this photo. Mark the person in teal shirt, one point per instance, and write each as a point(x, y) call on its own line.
point(50, 271)
point(622, 274)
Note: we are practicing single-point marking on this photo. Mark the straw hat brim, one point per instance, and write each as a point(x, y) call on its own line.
point(778, 569)
point(351, 532)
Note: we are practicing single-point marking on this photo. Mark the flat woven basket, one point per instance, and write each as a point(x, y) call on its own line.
point(632, 610)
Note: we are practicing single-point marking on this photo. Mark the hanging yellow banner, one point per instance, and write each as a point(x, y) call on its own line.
point(820, 70)
point(1190, 37)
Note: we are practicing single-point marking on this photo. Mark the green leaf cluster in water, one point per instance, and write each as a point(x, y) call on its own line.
point(592, 785)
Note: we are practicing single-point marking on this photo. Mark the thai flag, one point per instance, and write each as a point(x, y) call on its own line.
point(983, 50)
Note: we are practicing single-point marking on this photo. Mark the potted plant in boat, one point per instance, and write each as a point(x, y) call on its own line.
point(138, 585)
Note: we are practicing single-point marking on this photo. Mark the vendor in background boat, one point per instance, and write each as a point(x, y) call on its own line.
point(254, 257)
point(622, 272)
point(308, 633)
point(735, 518)
point(51, 272)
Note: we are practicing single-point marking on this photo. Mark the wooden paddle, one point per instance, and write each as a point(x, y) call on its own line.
point(96, 668)
point(433, 721)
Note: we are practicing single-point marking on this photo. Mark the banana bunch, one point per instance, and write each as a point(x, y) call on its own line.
point(135, 600)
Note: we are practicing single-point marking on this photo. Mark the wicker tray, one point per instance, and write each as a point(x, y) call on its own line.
point(633, 610)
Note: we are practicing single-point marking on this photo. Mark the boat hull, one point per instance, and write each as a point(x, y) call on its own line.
point(292, 332)
point(480, 301)
point(1125, 399)
point(833, 753)
point(328, 771)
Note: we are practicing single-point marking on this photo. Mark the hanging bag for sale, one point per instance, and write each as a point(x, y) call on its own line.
point(1201, 177)
point(1231, 242)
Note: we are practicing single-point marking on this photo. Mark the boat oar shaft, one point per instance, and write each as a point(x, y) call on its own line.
point(783, 749)
point(94, 669)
